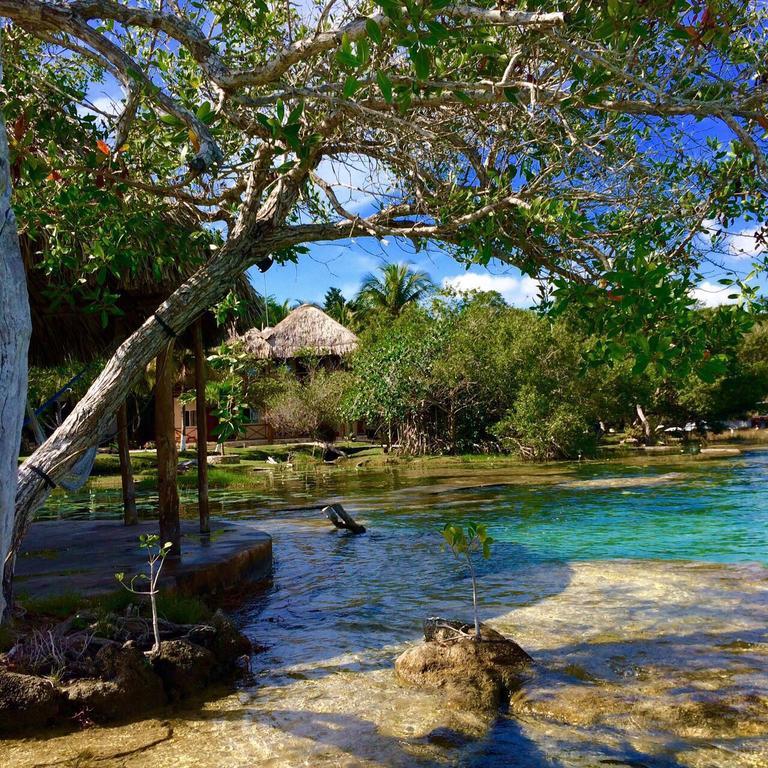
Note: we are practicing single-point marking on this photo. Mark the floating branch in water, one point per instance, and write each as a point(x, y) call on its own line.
point(340, 518)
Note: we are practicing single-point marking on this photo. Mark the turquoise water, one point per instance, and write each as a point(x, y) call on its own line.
point(715, 513)
point(636, 585)
point(682, 508)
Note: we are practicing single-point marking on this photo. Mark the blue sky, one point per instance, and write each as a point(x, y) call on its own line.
point(344, 264)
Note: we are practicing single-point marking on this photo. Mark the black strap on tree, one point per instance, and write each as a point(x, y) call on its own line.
point(44, 475)
point(167, 328)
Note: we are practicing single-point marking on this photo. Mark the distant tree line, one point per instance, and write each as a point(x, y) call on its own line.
point(470, 373)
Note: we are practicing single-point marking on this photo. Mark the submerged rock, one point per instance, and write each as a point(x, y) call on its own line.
point(475, 674)
point(26, 701)
point(448, 738)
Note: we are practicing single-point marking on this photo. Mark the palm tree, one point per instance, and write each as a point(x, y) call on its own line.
point(337, 307)
point(394, 289)
point(273, 311)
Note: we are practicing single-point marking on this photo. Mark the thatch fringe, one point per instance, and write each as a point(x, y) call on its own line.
point(64, 332)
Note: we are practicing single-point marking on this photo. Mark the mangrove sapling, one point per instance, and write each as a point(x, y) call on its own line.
point(465, 544)
point(156, 555)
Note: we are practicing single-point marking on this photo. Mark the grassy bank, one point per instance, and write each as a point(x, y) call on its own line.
point(254, 468)
point(257, 466)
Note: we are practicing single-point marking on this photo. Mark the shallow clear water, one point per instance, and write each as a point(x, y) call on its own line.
point(639, 587)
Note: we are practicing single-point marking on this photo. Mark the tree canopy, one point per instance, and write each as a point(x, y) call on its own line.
point(468, 374)
point(561, 137)
point(565, 138)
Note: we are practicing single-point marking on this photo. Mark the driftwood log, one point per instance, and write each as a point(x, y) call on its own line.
point(340, 518)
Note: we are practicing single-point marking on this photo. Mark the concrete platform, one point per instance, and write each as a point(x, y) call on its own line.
point(82, 556)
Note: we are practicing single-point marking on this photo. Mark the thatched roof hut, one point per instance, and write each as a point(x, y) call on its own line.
point(65, 330)
point(305, 330)
point(255, 344)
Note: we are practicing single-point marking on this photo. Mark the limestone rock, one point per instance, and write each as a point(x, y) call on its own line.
point(26, 701)
point(229, 644)
point(126, 683)
point(219, 459)
point(183, 667)
point(475, 674)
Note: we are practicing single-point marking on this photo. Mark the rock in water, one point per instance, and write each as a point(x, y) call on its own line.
point(126, 682)
point(474, 674)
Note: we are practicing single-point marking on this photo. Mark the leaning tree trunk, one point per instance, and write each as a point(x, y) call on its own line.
point(15, 330)
point(251, 242)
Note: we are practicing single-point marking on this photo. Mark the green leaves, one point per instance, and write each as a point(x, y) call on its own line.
point(351, 84)
point(373, 30)
point(420, 58)
point(466, 542)
point(385, 84)
point(205, 113)
point(156, 554)
point(353, 56)
point(286, 130)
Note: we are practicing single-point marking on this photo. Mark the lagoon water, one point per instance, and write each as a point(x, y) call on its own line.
point(639, 586)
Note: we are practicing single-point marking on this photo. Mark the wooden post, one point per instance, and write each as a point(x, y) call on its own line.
point(130, 515)
point(202, 430)
point(167, 458)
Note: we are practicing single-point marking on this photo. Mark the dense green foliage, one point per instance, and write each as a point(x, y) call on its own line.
point(309, 406)
point(568, 148)
point(475, 374)
point(88, 231)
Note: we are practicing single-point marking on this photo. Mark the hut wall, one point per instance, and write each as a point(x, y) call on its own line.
point(189, 411)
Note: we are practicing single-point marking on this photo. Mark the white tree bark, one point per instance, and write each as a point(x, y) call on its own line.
point(15, 330)
point(257, 234)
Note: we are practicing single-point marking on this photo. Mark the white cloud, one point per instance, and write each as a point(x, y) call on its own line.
point(742, 244)
point(358, 182)
point(108, 104)
point(738, 243)
point(713, 295)
point(518, 291)
point(105, 109)
point(709, 227)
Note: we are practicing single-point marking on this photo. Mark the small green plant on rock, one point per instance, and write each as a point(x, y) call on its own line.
point(156, 555)
point(465, 544)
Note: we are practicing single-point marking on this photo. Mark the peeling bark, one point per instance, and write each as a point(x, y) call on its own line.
point(15, 331)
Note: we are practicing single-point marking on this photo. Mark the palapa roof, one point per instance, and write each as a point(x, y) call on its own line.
point(307, 329)
point(255, 344)
point(64, 331)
